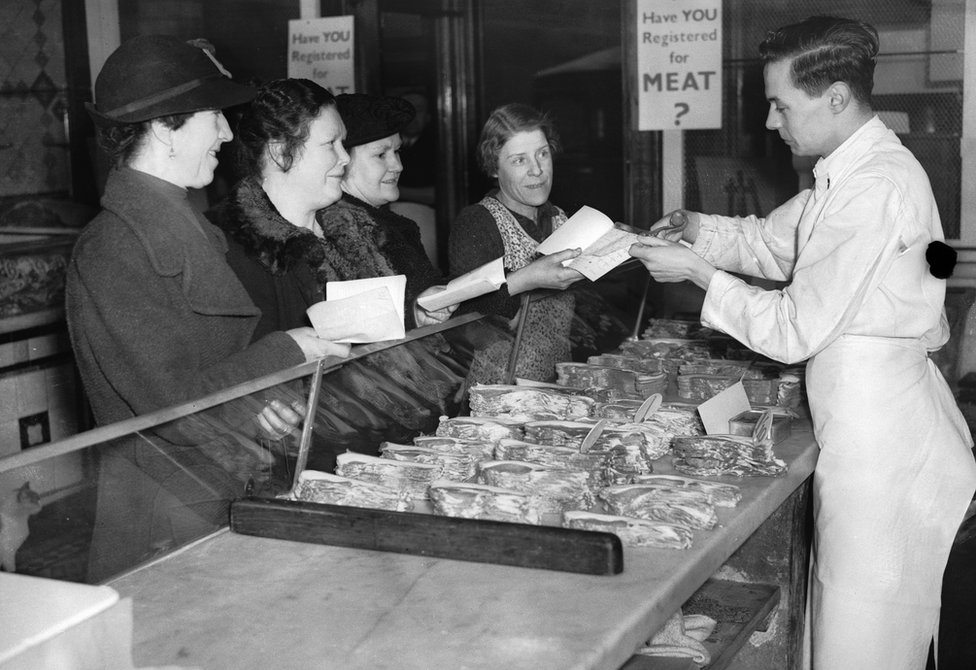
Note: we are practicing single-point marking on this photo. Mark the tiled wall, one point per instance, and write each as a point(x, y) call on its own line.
point(33, 149)
point(38, 391)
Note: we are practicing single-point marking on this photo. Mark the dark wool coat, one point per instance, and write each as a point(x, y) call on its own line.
point(158, 318)
point(155, 314)
point(285, 268)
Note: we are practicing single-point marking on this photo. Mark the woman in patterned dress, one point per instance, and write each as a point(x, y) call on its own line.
point(516, 148)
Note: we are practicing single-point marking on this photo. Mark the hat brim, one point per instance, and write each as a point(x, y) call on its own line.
point(213, 93)
point(371, 137)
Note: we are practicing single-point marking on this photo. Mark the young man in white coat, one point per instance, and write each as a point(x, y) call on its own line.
point(862, 305)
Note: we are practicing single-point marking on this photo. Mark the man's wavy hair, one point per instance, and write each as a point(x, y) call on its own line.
point(825, 50)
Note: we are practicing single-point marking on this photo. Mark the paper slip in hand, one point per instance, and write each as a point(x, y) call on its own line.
point(605, 254)
point(605, 245)
point(361, 310)
point(485, 279)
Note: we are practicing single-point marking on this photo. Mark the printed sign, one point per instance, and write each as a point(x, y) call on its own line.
point(322, 50)
point(679, 64)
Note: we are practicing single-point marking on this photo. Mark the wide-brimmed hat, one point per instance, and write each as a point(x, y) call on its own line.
point(372, 117)
point(157, 75)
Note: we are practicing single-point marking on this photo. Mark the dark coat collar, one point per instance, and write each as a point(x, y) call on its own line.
point(129, 194)
point(177, 240)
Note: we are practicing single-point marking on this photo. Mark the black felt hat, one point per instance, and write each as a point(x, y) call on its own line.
point(157, 75)
point(372, 117)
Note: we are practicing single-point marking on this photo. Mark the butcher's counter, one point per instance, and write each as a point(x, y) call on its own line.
point(234, 601)
point(205, 596)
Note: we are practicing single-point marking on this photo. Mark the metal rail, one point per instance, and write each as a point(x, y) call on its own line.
point(131, 426)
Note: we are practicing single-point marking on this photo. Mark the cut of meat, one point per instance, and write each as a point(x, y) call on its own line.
point(559, 488)
point(714, 455)
point(322, 487)
point(661, 503)
point(477, 501)
point(528, 403)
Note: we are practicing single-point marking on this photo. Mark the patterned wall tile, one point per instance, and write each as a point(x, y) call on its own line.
point(33, 144)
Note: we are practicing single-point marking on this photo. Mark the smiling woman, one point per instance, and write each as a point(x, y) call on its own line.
point(367, 238)
point(156, 315)
point(516, 147)
point(307, 213)
point(291, 159)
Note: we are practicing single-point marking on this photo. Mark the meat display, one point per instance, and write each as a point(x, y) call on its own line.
point(479, 428)
point(477, 501)
point(681, 507)
point(458, 466)
point(413, 479)
point(646, 438)
point(594, 463)
point(715, 455)
point(585, 453)
point(481, 450)
point(719, 494)
point(323, 487)
point(559, 488)
point(528, 403)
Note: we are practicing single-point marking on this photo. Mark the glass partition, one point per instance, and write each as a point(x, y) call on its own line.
point(105, 501)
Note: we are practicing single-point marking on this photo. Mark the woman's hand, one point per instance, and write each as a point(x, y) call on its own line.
point(425, 317)
point(314, 347)
point(278, 419)
point(546, 272)
point(672, 262)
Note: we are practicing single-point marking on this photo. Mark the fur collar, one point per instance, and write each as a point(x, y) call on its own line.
point(357, 238)
point(351, 247)
point(250, 218)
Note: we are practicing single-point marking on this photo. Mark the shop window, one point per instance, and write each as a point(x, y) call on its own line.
point(919, 86)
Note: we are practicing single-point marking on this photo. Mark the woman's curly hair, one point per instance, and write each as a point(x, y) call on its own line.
point(281, 112)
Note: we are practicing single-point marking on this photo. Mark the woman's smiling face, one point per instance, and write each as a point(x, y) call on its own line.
point(195, 146)
point(525, 171)
point(318, 167)
point(374, 170)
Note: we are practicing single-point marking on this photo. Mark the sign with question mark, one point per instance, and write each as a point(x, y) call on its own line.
point(679, 64)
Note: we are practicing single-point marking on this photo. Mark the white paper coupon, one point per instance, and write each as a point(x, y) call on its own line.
point(361, 310)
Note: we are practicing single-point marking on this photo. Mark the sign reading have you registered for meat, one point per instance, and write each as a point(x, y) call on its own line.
point(322, 50)
point(679, 64)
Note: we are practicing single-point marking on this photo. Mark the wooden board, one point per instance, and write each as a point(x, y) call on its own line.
point(522, 545)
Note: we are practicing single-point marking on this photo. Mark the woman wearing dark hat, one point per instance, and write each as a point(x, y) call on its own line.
point(156, 315)
point(369, 239)
point(366, 239)
point(285, 248)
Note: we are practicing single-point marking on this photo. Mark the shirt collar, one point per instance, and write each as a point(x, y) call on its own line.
point(840, 157)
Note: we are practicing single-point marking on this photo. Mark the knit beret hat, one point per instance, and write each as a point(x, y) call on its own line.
point(157, 75)
point(372, 117)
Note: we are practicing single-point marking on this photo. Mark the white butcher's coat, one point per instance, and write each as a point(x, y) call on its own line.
point(895, 472)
